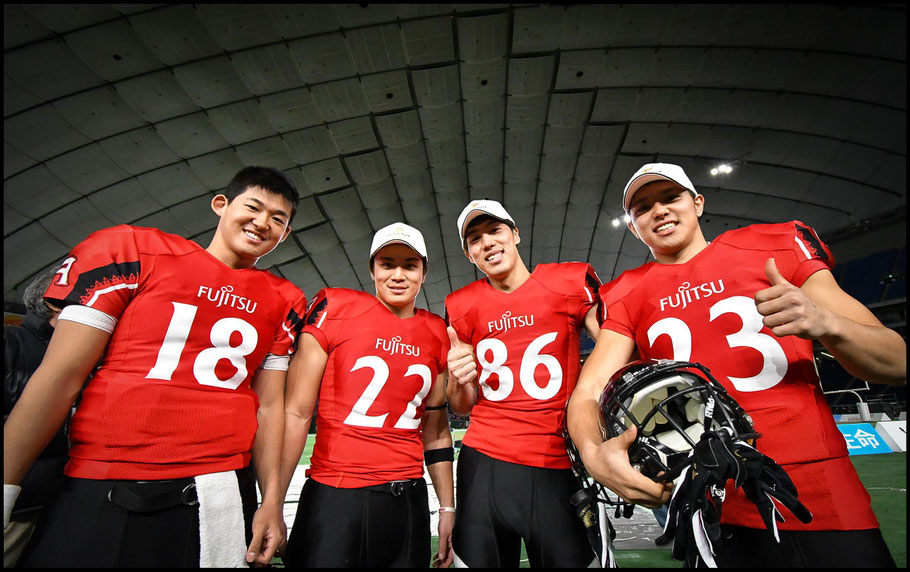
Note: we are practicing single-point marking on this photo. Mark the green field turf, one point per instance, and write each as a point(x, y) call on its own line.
point(885, 477)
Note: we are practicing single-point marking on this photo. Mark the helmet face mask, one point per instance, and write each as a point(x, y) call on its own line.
point(671, 404)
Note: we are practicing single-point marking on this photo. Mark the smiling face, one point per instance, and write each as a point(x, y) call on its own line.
point(398, 272)
point(251, 226)
point(493, 246)
point(665, 217)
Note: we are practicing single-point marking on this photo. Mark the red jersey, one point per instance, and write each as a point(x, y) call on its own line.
point(172, 397)
point(379, 373)
point(704, 311)
point(526, 344)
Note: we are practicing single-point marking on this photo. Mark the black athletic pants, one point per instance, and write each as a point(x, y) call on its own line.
point(756, 548)
point(385, 526)
point(83, 529)
point(501, 503)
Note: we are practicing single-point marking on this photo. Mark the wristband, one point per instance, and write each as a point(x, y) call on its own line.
point(439, 455)
point(437, 407)
point(447, 509)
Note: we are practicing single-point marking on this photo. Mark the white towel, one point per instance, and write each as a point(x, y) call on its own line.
point(222, 541)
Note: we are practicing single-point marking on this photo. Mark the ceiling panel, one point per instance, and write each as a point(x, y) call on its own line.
point(156, 96)
point(139, 150)
point(212, 82)
point(42, 133)
point(98, 113)
point(112, 50)
point(49, 69)
point(20, 27)
point(238, 26)
point(175, 34)
point(191, 135)
point(268, 69)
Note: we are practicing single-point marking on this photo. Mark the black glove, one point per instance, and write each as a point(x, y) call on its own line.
point(766, 480)
point(694, 512)
point(693, 516)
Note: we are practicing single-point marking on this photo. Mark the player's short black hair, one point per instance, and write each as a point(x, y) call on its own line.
point(33, 297)
point(272, 180)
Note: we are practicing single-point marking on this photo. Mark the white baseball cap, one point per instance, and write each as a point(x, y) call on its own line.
point(654, 172)
point(481, 207)
point(399, 233)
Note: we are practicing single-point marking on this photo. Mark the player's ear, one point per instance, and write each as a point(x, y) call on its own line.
point(219, 203)
point(517, 236)
point(699, 205)
point(287, 233)
point(632, 228)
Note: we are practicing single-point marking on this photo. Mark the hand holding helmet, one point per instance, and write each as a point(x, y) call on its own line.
point(692, 431)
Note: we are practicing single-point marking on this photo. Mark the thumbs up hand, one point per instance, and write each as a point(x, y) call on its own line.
point(786, 309)
point(462, 367)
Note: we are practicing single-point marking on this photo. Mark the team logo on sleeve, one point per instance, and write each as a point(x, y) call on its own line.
point(63, 273)
point(316, 311)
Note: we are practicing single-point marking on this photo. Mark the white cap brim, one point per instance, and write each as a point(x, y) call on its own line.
point(399, 233)
point(482, 207)
point(656, 172)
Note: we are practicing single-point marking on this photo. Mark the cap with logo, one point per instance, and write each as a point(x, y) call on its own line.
point(399, 233)
point(479, 207)
point(655, 172)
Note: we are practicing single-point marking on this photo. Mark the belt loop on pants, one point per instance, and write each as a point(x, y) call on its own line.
point(150, 496)
point(395, 488)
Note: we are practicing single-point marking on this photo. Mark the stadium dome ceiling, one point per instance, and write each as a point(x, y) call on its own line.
point(140, 113)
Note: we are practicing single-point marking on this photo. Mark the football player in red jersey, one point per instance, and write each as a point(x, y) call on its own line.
point(194, 346)
point(376, 366)
point(748, 306)
point(522, 328)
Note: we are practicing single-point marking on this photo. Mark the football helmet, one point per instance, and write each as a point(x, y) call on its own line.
point(672, 404)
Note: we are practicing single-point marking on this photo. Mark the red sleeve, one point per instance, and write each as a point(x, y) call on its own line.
point(592, 287)
point(797, 249)
point(314, 321)
point(287, 334)
point(813, 254)
point(455, 316)
point(616, 302)
point(577, 280)
point(101, 272)
point(612, 312)
point(443, 360)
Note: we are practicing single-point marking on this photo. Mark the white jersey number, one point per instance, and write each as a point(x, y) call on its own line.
point(204, 367)
point(774, 365)
point(408, 420)
point(531, 359)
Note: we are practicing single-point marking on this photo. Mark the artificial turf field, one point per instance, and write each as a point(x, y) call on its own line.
point(884, 475)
